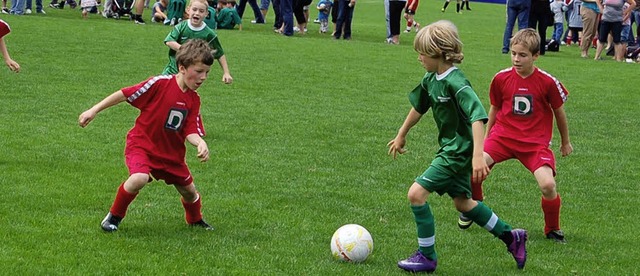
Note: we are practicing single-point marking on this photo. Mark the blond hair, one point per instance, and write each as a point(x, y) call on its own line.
point(440, 40)
point(529, 38)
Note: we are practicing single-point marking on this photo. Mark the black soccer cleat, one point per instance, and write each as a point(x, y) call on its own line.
point(556, 236)
point(203, 224)
point(110, 223)
point(464, 222)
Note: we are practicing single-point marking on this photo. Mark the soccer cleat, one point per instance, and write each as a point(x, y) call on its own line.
point(418, 263)
point(442, 10)
point(464, 222)
point(138, 19)
point(518, 247)
point(556, 236)
point(110, 223)
point(203, 224)
point(41, 11)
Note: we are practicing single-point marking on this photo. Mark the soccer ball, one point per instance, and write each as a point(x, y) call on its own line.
point(351, 243)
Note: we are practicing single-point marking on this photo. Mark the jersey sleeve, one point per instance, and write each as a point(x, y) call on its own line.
point(495, 91)
point(140, 94)
point(4, 28)
point(558, 93)
point(174, 35)
point(215, 44)
point(419, 99)
point(194, 120)
point(470, 104)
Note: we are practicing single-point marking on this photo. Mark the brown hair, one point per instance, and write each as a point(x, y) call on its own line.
point(194, 51)
point(529, 38)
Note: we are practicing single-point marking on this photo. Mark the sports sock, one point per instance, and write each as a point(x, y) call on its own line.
point(476, 191)
point(551, 210)
point(485, 217)
point(445, 5)
point(426, 230)
point(122, 201)
point(409, 24)
point(457, 7)
point(192, 210)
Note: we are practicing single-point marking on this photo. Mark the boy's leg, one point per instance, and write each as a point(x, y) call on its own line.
point(550, 203)
point(446, 3)
point(192, 203)
point(515, 239)
point(425, 259)
point(122, 201)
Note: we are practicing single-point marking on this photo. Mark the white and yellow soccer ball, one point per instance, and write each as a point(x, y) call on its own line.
point(351, 243)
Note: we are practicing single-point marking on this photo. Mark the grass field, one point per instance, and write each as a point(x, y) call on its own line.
point(298, 144)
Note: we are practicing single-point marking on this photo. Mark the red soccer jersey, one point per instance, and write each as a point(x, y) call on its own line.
point(525, 105)
point(167, 116)
point(4, 28)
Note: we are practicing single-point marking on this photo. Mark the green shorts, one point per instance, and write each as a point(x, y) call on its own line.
point(439, 180)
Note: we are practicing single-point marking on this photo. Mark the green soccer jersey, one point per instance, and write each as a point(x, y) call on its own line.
point(185, 31)
point(175, 9)
point(210, 20)
point(228, 18)
point(455, 107)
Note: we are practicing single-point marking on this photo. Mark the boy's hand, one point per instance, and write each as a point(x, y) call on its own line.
point(13, 66)
point(203, 151)
point(86, 117)
point(480, 169)
point(566, 149)
point(227, 79)
point(396, 146)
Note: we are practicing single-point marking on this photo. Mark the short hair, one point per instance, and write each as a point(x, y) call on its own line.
point(194, 51)
point(529, 38)
point(205, 2)
point(440, 40)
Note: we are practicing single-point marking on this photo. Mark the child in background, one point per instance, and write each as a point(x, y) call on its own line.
point(409, 14)
point(88, 6)
point(210, 19)
point(169, 114)
point(194, 28)
point(524, 102)
point(324, 10)
point(158, 12)
point(5, 30)
point(344, 19)
point(459, 117)
point(175, 12)
point(574, 22)
point(558, 7)
point(446, 4)
point(228, 17)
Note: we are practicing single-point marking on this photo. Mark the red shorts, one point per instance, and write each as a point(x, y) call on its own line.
point(411, 10)
point(532, 156)
point(171, 173)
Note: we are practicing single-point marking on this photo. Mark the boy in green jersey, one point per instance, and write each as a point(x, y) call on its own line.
point(460, 118)
point(191, 29)
point(228, 17)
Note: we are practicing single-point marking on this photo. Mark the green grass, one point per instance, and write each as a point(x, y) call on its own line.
point(298, 144)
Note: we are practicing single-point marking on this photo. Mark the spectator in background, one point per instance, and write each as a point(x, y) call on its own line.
point(589, 12)
point(259, 19)
point(158, 11)
point(228, 17)
point(5, 30)
point(558, 7)
point(264, 9)
point(396, 8)
point(574, 22)
point(345, 16)
point(516, 9)
point(539, 19)
point(612, 16)
point(29, 8)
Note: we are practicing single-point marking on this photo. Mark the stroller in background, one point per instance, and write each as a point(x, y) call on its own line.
point(118, 8)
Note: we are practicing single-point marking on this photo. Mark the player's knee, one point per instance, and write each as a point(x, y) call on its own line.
point(548, 187)
point(136, 182)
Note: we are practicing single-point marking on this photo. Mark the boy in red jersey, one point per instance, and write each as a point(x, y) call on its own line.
point(524, 102)
point(5, 30)
point(409, 14)
point(169, 115)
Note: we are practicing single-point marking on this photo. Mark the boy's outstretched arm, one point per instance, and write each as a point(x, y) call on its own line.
point(13, 66)
point(203, 149)
point(480, 168)
point(226, 76)
point(563, 127)
point(396, 146)
point(111, 100)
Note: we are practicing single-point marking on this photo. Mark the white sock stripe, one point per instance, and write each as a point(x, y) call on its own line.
point(492, 222)
point(426, 242)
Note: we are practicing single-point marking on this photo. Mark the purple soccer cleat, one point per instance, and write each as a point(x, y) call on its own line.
point(518, 247)
point(418, 263)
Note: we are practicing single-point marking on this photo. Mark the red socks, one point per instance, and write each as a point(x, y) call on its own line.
point(551, 210)
point(122, 201)
point(192, 210)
